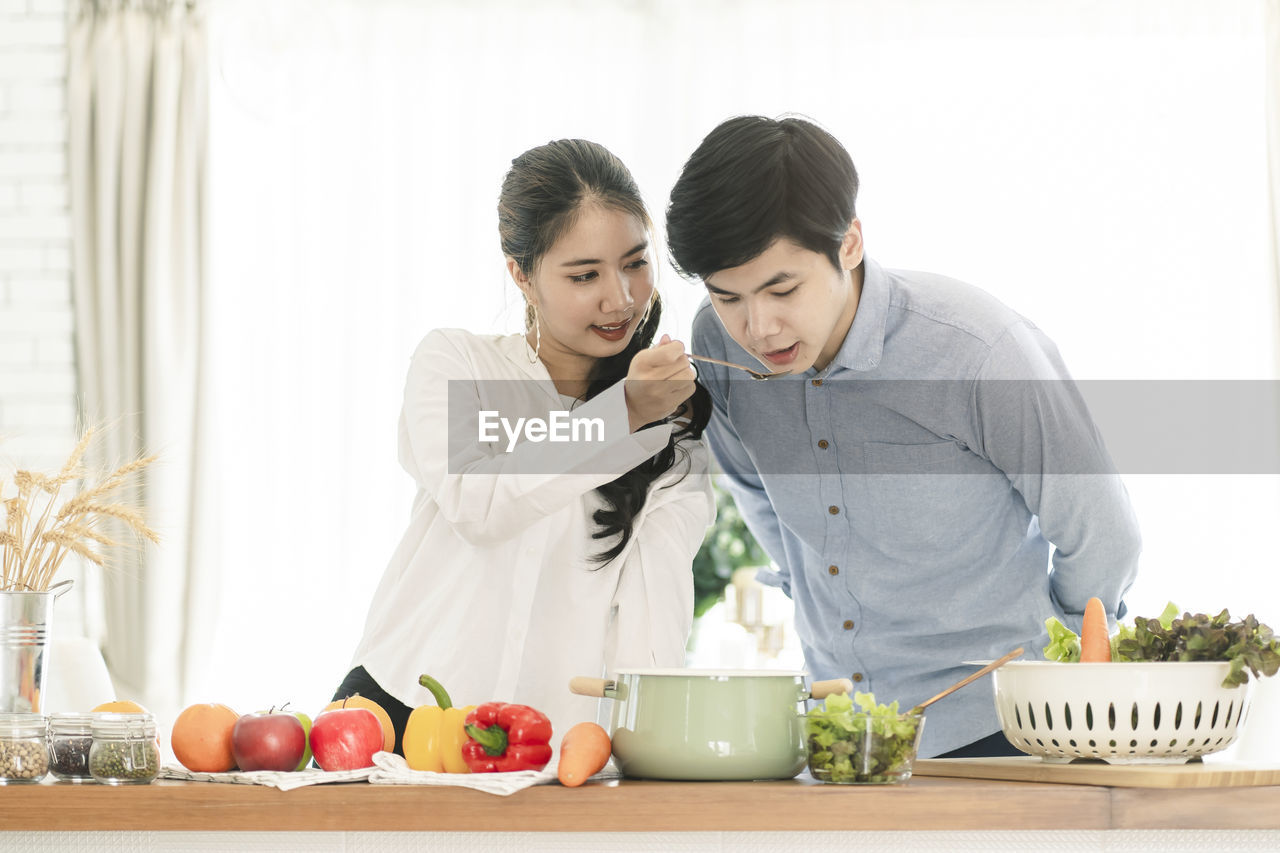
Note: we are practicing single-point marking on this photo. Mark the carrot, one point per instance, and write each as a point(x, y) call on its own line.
point(1095, 644)
point(584, 750)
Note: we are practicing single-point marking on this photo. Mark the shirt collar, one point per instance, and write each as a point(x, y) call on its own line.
point(864, 342)
point(517, 351)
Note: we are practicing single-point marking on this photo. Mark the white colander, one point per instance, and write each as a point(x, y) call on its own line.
point(1122, 713)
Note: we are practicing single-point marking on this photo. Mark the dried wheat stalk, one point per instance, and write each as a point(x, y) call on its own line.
point(40, 532)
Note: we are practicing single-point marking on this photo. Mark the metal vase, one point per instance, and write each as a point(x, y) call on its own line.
point(25, 620)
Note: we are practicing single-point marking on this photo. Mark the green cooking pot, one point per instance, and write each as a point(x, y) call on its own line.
point(691, 724)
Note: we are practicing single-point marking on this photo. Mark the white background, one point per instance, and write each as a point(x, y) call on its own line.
point(1098, 166)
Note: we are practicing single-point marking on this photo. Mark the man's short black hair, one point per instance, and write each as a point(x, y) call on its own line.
point(752, 181)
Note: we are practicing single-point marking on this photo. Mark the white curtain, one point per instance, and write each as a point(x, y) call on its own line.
point(138, 112)
point(1100, 166)
point(1271, 69)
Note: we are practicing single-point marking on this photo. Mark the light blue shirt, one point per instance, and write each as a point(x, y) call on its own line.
point(929, 498)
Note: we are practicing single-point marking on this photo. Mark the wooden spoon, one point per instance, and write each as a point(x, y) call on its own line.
point(995, 664)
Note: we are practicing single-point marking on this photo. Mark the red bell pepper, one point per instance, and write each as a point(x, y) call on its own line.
point(506, 737)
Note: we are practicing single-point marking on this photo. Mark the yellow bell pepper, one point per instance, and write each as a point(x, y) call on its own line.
point(434, 735)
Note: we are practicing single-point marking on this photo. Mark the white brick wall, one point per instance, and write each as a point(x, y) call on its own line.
point(38, 414)
point(37, 375)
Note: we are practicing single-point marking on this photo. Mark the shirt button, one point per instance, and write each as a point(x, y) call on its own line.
point(822, 442)
point(834, 510)
point(817, 382)
point(857, 676)
point(833, 570)
point(848, 624)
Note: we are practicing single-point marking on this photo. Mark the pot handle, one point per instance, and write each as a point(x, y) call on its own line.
point(602, 687)
point(823, 689)
point(62, 586)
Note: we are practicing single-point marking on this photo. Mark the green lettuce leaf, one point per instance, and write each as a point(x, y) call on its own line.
point(1064, 644)
point(1248, 644)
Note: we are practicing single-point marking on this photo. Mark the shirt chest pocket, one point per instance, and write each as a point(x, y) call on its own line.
point(935, 498)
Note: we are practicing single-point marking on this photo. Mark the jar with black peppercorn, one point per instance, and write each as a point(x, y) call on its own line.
point(124, 750)
point(70, 736)
point(23, 755)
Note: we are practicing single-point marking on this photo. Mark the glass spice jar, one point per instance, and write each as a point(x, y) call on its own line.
point(23, 755)
point(124, 750)
point(70, 736)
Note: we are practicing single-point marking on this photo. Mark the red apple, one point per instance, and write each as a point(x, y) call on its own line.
point(306, 731)
point(270, 741)
point(345, 738)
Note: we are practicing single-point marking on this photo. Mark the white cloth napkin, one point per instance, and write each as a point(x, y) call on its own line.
point(388, 769)
point(285, 781)
point(391, 769)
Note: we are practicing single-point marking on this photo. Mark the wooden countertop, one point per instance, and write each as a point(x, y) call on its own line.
point(924, 803)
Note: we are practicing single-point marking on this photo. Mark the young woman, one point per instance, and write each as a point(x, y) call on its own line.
point(528, 560)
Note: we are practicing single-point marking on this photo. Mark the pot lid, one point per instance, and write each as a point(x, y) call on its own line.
point(717, 673)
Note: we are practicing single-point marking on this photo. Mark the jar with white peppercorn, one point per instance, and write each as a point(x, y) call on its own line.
point(124, 750)
point(70, 736)
point(23, 754)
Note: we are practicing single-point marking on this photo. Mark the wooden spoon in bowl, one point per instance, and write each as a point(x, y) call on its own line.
point(995, 664)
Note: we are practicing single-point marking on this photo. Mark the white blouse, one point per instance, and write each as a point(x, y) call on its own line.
point(491, 590)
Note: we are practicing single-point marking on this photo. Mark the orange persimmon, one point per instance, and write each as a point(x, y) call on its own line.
point(584, 750)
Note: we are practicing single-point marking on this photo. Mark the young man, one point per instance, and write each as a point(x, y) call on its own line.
point(927, 480)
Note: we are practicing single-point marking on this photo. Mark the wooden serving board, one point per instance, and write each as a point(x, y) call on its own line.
point(1029, 768)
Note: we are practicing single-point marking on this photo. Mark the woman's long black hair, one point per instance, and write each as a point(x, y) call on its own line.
point(541, 194)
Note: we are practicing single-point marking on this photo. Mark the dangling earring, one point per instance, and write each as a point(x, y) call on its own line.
point(644, 318)
point(531, 319)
